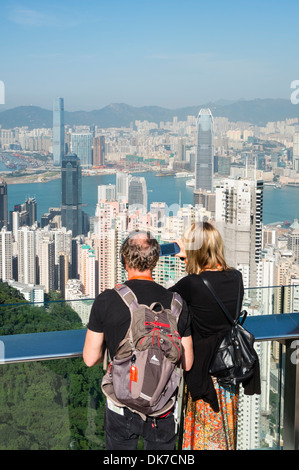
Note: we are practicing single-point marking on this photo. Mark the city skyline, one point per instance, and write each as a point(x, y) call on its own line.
point(58, 258)
point(146, 53)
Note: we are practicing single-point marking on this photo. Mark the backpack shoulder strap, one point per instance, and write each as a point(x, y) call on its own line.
point(130, 300)
point(176, 305)
point(128, 296)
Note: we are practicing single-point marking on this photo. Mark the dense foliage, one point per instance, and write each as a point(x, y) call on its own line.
point(47, 404)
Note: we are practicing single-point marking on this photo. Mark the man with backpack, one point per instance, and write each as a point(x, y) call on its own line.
point(137, 366)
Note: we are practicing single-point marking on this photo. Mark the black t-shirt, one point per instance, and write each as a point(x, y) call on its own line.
point(111, 316)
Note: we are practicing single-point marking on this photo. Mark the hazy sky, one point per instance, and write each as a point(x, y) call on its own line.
point(170, 53)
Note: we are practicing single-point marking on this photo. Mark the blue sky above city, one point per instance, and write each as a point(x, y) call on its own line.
point(165, 53)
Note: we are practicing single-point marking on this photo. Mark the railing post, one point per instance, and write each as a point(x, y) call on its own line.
point(291, 397)
point(280, 405)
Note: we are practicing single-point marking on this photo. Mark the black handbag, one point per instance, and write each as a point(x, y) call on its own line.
point(234, 359)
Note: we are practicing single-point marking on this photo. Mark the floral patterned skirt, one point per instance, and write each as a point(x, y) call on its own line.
point(206, 430)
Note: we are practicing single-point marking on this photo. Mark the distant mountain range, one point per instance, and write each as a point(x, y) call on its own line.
point(258, 111)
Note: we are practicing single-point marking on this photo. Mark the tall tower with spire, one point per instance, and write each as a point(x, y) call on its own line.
point(204, 151)
point(58, 131)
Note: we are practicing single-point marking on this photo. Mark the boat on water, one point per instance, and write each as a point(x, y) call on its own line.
point(190, 183)
point(165, 173)
point(184, 174)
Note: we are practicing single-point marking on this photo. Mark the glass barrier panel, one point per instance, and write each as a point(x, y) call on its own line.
point(263, 300)
point(58, 405)
point(28, 317)
point(291, 299)
point(51, 405)
point(260, 417)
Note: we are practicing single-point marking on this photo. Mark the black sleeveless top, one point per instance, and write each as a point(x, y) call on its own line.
point(209, 324)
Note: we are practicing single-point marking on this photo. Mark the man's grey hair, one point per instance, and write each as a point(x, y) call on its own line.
point(140, 251)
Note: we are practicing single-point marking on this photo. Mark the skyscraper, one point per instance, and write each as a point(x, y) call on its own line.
point(293, 239)
point(239, 209)
point(30, 205)
point(26, 256)
point(99, 151)
point(122, 185)
point(63, 273)
point(204, 151)
point(46, 263)
point(105, 243)
point(71, 200)
point(87, 271)
point(5, 255)
point(296, 151)
point(181, 152)
point(106, 192)
point(58, 131)
point(239, 212)
point(3, 204)
point(138, 193)
point(82, 147)
point(63, 256)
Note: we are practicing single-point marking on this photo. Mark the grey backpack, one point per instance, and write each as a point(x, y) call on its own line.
point(143, 375)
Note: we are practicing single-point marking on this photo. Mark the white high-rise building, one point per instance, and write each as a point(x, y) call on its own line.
point(87, 270)
point(15, 224)
point(293, 239)
point(122, 185)
point(5, 255)
point(238, 217)
point(31, 293)
point(47, 263)
point(268, 281)
point(26, 256)
point(294, 294)
point(296, 151)
point(158, 211)
point(63, 243)
point(121, 231)
point(249, 422)
point(78, 301)
point(106, 192)
point(105, 243)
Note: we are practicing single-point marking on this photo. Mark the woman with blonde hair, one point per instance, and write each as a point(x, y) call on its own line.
point(211, 409)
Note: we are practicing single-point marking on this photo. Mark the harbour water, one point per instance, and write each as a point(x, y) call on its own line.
point(280, 205)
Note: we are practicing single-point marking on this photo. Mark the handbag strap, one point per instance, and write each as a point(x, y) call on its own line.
point(220, 303)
